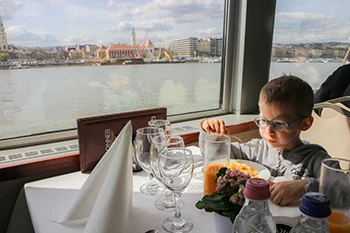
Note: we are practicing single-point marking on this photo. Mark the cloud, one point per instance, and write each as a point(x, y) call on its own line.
point(77, 39)
point(154, 25)
point(8, 8)
point(180, 8)
point(20, 35)
point(209, 32)
point(175, 10)
point(58, 1)
point(298, 27)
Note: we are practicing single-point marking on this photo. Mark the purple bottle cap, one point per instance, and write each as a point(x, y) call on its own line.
point(257, 189)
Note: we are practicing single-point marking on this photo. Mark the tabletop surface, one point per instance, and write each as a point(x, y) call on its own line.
point(49, 198)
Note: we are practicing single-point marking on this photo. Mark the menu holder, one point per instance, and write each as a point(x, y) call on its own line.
point(96, 134)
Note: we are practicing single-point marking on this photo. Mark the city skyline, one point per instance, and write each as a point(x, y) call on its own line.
point(62, 22)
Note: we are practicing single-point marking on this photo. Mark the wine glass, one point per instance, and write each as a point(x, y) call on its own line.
point(143, 142)
point(176, 167)
point(166, 201)
point(160, 123)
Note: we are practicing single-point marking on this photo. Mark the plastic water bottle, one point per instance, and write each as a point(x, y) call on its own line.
point(315, 209)
point(255, 215)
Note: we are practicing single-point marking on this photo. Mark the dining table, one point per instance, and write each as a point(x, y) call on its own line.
point(47, 199)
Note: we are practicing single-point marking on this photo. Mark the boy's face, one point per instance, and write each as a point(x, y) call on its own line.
point(287, 139)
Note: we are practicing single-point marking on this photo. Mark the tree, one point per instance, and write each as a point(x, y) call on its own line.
point(3, 56)
point(103, 54)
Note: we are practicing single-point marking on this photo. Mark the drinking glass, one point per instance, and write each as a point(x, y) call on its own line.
point(166, 201)
point(217, 149)
point(335, 184)
point(199, 174)
point(160, 123)
point(143, 142)
point(176, 169)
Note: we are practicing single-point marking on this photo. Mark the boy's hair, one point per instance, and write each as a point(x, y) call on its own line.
point(291, 91)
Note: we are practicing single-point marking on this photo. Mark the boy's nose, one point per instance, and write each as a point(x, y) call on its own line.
point(270, 130)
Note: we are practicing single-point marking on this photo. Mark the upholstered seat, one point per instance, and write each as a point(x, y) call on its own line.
point(331, 130)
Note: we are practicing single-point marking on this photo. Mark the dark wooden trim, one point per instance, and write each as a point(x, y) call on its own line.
point(232, 129)
point(241, 127)
point(71, 161)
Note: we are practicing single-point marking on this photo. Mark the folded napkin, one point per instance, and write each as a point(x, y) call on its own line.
point(104, 202)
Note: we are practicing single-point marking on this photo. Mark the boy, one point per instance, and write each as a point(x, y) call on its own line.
point(285, 105)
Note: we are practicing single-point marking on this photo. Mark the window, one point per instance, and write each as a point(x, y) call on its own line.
point(310, 39)
point(72, 59)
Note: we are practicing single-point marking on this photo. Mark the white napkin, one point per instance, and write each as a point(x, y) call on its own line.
point(105, 199)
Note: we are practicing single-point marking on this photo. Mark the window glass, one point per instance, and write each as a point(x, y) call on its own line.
point(61, 60)
point(311, 38)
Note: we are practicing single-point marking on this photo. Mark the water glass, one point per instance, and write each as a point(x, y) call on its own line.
point(176, 170)
point(335, 184)
point(143, 142)
point(217, 150)
point(160, 144)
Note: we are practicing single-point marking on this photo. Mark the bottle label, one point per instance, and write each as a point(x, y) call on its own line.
point(282, 228)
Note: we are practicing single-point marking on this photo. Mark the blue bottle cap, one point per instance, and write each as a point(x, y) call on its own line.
point(315, 205)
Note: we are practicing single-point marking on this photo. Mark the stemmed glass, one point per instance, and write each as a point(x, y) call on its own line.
point(165, 202)
point(176, 167)
point(160, 123)
point(143, 142)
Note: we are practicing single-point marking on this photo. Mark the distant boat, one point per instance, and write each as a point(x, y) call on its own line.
point(133, 61)
point(286, 60)
point(191, 59)
point(17, 66)
point(318, 60)
point(160, 61)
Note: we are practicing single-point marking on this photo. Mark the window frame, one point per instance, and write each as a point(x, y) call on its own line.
point(240, 84)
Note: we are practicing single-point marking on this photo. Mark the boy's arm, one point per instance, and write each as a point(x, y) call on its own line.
point(285, 192)
point(215, 126)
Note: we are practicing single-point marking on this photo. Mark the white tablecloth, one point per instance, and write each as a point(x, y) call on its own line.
point(49, 198)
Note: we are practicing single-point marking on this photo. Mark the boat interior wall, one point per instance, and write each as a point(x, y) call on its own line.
point(331, 129)
point(9, 191)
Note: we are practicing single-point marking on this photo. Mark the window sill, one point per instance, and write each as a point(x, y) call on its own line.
point(59, 158)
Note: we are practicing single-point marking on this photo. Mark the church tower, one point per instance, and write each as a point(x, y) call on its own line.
point(133, 37)
point(3, 38)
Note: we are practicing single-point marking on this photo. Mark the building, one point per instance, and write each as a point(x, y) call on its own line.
point(133, 37)
point(142, 50)
point(186, 47)
point(216, 47)
point(3, 38)
point(316, 52)
point(92, 50)
point(203, 47)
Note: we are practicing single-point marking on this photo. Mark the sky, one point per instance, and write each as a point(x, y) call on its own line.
point(67, 22)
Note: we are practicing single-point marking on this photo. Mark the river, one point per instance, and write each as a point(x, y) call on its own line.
point(47, 99)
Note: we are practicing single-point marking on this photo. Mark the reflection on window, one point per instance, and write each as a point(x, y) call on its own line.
point(61, 60)
point(311, 39)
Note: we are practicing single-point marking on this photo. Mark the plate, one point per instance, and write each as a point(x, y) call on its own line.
point(285, 224)
point(263, 171)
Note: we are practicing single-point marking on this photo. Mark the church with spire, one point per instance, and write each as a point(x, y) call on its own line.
point(3, 38)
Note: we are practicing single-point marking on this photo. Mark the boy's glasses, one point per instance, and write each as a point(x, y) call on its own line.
point(279, 125)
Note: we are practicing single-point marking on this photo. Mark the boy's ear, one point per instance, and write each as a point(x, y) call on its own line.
point(307, 122)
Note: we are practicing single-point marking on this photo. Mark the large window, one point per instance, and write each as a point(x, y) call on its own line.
point(310, 39)
point(70, 59)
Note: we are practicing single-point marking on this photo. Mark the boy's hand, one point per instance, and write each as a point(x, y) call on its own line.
point(285, 192)
point(215, 126)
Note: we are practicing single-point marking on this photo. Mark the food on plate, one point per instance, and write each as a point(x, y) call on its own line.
point(244, 168)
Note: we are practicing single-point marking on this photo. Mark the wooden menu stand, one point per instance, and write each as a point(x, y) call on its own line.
point(96, 134)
